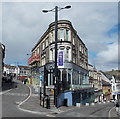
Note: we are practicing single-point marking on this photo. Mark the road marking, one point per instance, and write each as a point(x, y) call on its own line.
point(110, 111)
point(33, 112)
point(27, 97)
point(17, 94)
point(21, 94)
point(49, 115)
point(4, 92)
point(29, 111)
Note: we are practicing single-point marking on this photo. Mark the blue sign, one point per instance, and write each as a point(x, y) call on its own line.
point(41, 77)
point(60, 58)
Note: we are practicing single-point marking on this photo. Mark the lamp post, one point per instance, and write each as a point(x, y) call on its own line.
point(56, 9)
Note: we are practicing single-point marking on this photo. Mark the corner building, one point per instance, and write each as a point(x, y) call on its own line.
point(73, 54)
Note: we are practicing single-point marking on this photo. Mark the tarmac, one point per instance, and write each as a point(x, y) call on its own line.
point(32, 104)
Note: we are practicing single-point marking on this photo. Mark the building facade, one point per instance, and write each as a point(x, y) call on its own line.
point(2, 56)
point(95, 80)
point(72, 58)
point(115, 82)
point(106, 87)
point(21, 72)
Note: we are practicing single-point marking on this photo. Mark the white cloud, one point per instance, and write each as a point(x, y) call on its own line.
point(24, 23)
point(110, 55)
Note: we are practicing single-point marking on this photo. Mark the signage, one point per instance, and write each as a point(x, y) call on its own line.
point(60, 59)
point(41, 77)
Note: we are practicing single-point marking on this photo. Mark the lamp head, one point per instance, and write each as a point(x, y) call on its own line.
point(67, 7)
point(45, 11)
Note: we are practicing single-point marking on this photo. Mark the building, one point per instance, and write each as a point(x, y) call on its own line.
point(72, 62)
point(95, 80)
point(95, 77)
point(106, 87)
point(2, 56)
point(115, 82)
point(21, 72)
point(10, 69)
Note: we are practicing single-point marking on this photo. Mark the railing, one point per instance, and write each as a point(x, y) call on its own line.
point(44, 98)
point(81, 86)
point(34, 58)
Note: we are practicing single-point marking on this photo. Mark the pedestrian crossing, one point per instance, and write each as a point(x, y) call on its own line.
point(20, 94)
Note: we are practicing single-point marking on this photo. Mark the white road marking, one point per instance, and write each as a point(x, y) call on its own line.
point(49, 115)
point(29, 111)
point(21, 94)
point(110, 112)
point(27, 97)
point(4, 92)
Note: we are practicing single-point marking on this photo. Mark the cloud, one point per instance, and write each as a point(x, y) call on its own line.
point(24, 23)
point(110, 55)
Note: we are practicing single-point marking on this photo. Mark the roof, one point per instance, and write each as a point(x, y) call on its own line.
point(24, 67)
point(20, 66)
point(9, 66)
point(109, 76)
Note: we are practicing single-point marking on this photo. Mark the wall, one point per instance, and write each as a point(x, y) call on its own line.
point(0, 65)
point(66, 95)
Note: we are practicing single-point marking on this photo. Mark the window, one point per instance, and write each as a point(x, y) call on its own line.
point(75, 77)
point(62, 34)
point(67, 31)
point(73, 41)
point(47, 41)
point(43, 46)
point(67, 54)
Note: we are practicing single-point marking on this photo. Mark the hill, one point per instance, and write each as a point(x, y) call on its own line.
point(113, 72)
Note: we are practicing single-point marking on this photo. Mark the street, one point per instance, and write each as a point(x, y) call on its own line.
point(98, 110)
point(11, 99)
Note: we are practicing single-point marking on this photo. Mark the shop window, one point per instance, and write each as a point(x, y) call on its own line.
point(69, 76)
point(75, 77)
point(64, 79)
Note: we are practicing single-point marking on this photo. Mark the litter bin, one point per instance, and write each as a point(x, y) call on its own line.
point(65, 102)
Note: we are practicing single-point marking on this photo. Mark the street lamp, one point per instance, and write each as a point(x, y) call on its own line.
point(56, 9)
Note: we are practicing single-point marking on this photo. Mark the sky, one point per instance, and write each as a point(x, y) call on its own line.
point(96, 23)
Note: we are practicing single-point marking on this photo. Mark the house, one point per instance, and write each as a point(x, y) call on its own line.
point(115, 81)
point(95, 80)
point(21, 72)
point(106, 87)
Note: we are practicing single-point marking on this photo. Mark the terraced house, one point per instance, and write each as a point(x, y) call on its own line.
point(72, 52)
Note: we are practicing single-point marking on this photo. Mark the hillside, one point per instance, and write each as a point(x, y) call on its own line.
point(113, 72)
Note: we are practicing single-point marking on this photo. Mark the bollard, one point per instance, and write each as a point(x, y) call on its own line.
point(48, 103)
point(78, 104)
point(87, 104)
point(92, 103)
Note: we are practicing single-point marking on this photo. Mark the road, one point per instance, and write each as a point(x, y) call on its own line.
point(98, 110)
point(10, 100)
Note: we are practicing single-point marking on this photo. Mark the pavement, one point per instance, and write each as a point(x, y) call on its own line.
point(32, 104)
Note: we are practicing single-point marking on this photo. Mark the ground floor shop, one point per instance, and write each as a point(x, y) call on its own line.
point(73, 86)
